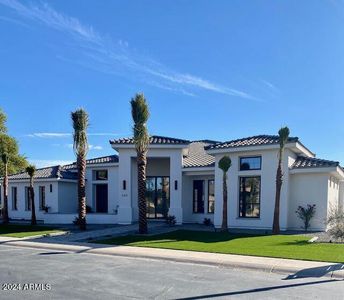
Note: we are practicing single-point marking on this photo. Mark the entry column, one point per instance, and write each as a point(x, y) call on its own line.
point(176, 177)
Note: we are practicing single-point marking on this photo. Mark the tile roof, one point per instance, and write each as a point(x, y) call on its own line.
point(98, 160)
point(309, 162)
point(46, 173)
point(258, 140)
point(154, 139)
point(197, 157)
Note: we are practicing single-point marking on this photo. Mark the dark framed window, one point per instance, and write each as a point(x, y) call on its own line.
point(249, 197)
point(250, 163)
point(51, 188)
point(211, 196)
point(198, 196)
point(27, 198)
point(101, 175)
point(42, 197)
point(14, 198)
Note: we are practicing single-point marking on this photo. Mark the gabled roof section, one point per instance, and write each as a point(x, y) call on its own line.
point(197, 157)
point(55, 172)
point(153, 140)
point(258, 140)
point(97, 160)
point(309, 162)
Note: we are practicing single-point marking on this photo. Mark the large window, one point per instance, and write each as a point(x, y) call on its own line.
point(27, 199)
point(101, 175)
point(42, 197)
point(249, 197)
point(250, 163)
point(211, 196)
point(14, 198)
point(198, 196)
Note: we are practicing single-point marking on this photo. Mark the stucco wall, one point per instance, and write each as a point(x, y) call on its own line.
point(68, 197)
point(308, 189)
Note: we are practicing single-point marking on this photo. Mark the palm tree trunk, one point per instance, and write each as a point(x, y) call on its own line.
point(5, 218)
point(81, 162)
point(224, 226)
point(32, 199)
point(276, 225)
point(141, 181)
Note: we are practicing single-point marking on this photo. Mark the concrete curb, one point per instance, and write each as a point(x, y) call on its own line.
point(293, 268)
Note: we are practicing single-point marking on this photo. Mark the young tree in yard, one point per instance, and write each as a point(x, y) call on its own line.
point(80, 146)
point(140, 115)
point(31, 171)
point(224, 164)
point(283, 134)
point(5, 160)
point(305, 214)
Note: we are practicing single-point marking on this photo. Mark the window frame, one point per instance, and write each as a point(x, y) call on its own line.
point(14, 197)
point(260, 200)
point(208, 208)
point(27, 199)
point(253, 156)
point(40, 198)
point(96, 178)
point(193, 196)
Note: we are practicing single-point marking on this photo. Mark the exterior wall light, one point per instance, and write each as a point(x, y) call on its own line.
point(176, 184)
point(124, 185)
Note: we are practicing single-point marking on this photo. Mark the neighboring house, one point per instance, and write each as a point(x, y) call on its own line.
point(183, 180)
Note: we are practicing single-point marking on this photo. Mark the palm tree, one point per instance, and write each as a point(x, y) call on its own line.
point(140, 115)
point(80, 146)
point(31, 171)
point(283, 134)
point(224, 164)
point(5, 160)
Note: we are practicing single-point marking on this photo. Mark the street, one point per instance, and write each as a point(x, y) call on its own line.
point(90, 276)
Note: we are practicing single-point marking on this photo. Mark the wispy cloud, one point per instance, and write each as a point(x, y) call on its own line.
point(65, 134)
point(41, 163)
point(101, 53)
point(90, 146)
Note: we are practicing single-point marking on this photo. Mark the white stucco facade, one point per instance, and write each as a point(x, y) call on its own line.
point(185, 177)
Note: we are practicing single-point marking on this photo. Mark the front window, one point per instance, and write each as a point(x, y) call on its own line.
point(27, 198)
point(250, 163)
point(14, 198)
point(211, 196)
point(198, 196)
point(42, 197)
point(101, 175)
point(249, 197)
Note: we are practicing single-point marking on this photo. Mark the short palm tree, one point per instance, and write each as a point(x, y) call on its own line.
point(31, 171)
point(80, 146)
point(224, 164)
point(140, 115)
point(5, 161)
point(283, 134)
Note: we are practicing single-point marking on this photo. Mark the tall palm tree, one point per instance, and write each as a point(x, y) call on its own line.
point(224, 164)
point(80, 146)
point(31, 171)
point(140, 115)
point(5, 161)
point(283, 134)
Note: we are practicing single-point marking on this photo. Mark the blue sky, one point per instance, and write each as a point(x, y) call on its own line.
point(209, 69)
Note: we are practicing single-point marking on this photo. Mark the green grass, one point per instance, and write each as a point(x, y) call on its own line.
point(20, 231)
point(281, 246)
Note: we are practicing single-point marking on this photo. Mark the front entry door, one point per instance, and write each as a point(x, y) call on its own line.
point(101, 198)
point(157, 197)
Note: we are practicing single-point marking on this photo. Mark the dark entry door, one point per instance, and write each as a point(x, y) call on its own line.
point(198, 196)
point(101, 198)
point(157, 197)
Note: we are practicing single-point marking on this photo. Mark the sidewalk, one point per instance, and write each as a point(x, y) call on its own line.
point(294, 268)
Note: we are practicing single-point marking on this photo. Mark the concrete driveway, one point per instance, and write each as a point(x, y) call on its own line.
point(92, 276)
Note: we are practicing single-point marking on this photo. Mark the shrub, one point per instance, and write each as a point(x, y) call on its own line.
point(335, 223)
point(207, 222)
point(171, 220)
point(306, 214)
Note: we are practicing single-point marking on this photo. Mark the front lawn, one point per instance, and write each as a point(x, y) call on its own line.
point(282, 246)
point(20, 231)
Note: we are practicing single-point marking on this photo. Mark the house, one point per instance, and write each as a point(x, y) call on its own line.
point(183, 180)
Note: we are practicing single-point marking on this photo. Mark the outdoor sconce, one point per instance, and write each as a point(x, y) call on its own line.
point(124, 185)
point(176, 184)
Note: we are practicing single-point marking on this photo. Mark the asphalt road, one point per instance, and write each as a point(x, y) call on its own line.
point(89, 276)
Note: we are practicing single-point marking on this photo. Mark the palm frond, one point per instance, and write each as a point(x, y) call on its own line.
point(80, 121)
point(31, 170)
point(225, 163)
point(283, 134)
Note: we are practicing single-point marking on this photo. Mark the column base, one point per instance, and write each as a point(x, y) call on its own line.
point(178, 213)
point(125, 215)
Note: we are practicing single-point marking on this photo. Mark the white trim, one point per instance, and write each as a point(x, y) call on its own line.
point(336, 171)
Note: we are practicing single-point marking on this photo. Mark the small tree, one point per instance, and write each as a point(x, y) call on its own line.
point(5, 160)
point(224, 164)
point(306, 214)
point(31, 171)
point(335, 223)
